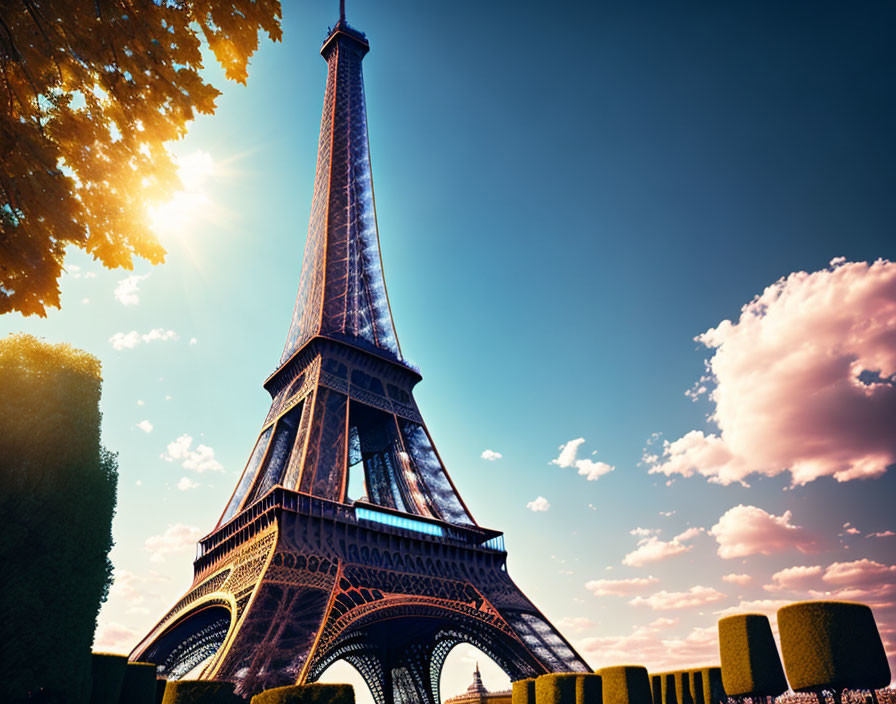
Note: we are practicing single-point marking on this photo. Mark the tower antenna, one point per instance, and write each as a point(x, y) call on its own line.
point(342, 10)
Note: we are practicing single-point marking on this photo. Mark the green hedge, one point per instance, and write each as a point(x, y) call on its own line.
point(625, 684)
point(139, 684)
point(696, 686)
point(683, 687)
point(832, 645)
point(107, 676)
point(589, 689)
point(656, 688)
point(57, 500)
point(200, 692)
point(316, 693)
point(523, 691)
point(667, 680)
point(556, 688)
point(750, 663)
point(706, 686)
point(713, 687)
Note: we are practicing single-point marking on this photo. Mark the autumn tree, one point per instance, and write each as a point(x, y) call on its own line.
point(91, 92)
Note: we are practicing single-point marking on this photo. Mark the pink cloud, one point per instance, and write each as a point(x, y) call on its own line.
point(576, 623)
point(866, 574)
point(655, 649)
point(619, 587)
point(794, 579)
point(769, 607)
point(803, 382)
point(652, 549)
point(734, 578)
point(115, 638)
point(663, 601)
point(748, 530)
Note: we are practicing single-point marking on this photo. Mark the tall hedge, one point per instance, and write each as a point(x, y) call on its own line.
point(316, 693)
point(696, 677)
point(667, 680)
point(683, 687)
point(200, 692)
point(58, 497)
point(750, 663)
point(625, 684)
point(556, 688)
point(589, 689)
point(706, 686)
point(139, 685)
point(107, 673)
point(523, 691)
point(656, 688)
point(832, 645)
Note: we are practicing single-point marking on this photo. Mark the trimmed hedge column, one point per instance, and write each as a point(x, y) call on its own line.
point(832, 645)
point(750, 663)
point(589, 689)
point(625, 684)
point(656, 688)
point(556, 688)
point(668, 688)
point(523, 691)
point(706, 686)
point(200, 692)
point(683, 687)
point(139, 684)
point(696, 686)
point(107, 676)
point(316, 693)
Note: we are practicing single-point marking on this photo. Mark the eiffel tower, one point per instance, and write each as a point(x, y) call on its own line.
point(296, 574)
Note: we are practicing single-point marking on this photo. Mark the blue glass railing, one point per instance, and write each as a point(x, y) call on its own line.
point(366, 514)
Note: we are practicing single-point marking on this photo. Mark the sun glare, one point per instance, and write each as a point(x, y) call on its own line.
point(191, 204)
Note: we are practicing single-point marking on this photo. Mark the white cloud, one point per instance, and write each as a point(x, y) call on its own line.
point(200, 459)
point(589, 469)
point(539, 504)
point(491, 455)
point(85, 301)
point(664, 601)
point(748, 530)
point(176, 538)
point(619, 587)
point(129, 340)
point(140, 403)
point(802, 384)
point(128, 289)
point(881, 534)
point(194, 341)
point(145, 426)
point(735, 578)
point(185, 484)
point(652, 549)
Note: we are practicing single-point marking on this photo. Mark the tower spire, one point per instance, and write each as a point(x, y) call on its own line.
point(342, 11)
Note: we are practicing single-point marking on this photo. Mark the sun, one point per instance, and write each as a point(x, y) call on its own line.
point(190, 205)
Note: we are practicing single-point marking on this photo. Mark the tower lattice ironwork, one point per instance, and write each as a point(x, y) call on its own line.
point(297, 575)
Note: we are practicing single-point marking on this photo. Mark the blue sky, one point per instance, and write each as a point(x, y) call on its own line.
point(566, 197)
